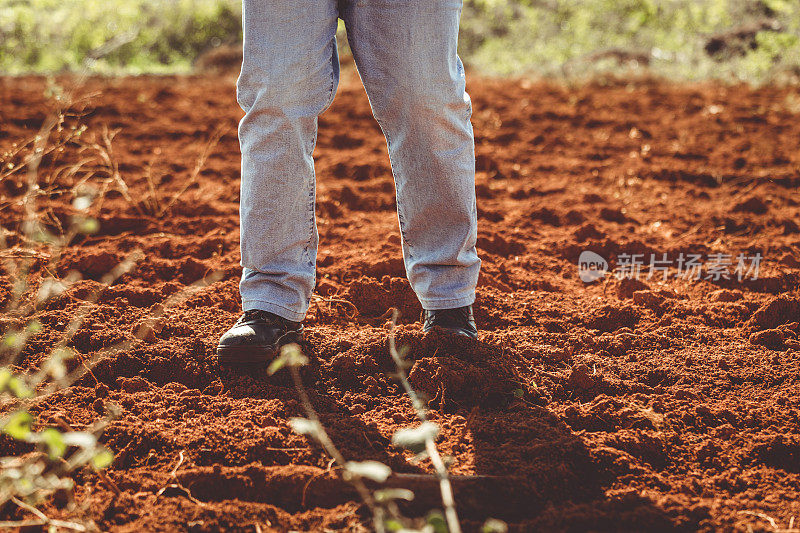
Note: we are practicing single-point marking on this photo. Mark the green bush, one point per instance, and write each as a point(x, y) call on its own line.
point(134, 36)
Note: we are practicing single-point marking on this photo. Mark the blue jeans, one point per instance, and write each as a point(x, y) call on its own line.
point(405, 52)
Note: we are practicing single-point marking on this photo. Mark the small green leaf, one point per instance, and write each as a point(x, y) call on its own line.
point(5, 378)
point(18, 425)
point(393, 525)
point(19, 389)
point(34, 326)
point(275, 365)
point(293, 355)
point(63, 353)
point(290, 356)
point(519, 393)
point(56, 447)
point(88, 225)
point(373, 470)
point(103, 459)
point(436, 520)
point(13, 340)
point(403, 351)
point(414, 439)
point(304, 426)
point(493, 525)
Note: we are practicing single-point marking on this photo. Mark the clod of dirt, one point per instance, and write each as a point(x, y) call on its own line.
point(148, 328)
point(771, 338)
point(372, 298)
point(581, 378)
point(628, 286)
point(592, 198)
point(753, 204)
point(175, 387)
point(614, 215)
point(790, 227)
point(651, 299)
point(611, 317)
point(497, 244)
point(575, 217)
point(645, 446)
point(326, 287)
point(588, 231)
point(780, 310)
point(726, 295)
point(93, 265)
point(101, 391)
point(548, 216)
point(790, 260)
point(134, 384)
point(780, 451)
point(214, 388)
point(605, 413)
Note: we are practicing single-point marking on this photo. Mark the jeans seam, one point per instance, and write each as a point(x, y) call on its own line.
point(330, 63)
point(468, 105)
point(400, 218)
point(311, 200)
point(311, 207)
point(313, 185)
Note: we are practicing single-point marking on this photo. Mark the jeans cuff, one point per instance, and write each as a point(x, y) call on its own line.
point(271, 307)
point(449, 303)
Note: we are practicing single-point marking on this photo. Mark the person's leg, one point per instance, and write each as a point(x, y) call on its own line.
point(289, 75)
point(405, 52)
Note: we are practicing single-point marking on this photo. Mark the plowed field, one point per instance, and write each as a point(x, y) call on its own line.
point(653, 404)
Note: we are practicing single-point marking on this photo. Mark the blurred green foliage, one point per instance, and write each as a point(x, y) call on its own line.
point(122, 35)
point(756, 40)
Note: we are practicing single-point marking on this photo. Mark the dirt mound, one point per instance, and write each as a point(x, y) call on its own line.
point(658, 403)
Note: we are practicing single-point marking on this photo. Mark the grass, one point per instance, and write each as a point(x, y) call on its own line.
point(739, 40)
point(756, 40)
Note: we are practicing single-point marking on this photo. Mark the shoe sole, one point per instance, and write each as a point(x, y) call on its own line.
point(452, 331)
point(233, 355)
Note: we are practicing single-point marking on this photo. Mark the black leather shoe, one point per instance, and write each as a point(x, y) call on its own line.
point(458, 321)
point(257, 337)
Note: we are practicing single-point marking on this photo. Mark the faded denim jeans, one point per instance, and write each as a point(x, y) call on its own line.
point(405, 53)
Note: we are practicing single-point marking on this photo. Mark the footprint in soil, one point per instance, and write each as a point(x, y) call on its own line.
point(529, 466)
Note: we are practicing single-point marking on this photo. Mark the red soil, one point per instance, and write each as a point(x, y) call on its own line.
point(605, 406)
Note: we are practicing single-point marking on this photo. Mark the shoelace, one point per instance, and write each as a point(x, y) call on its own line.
point(258, 314)
point(460, 315)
